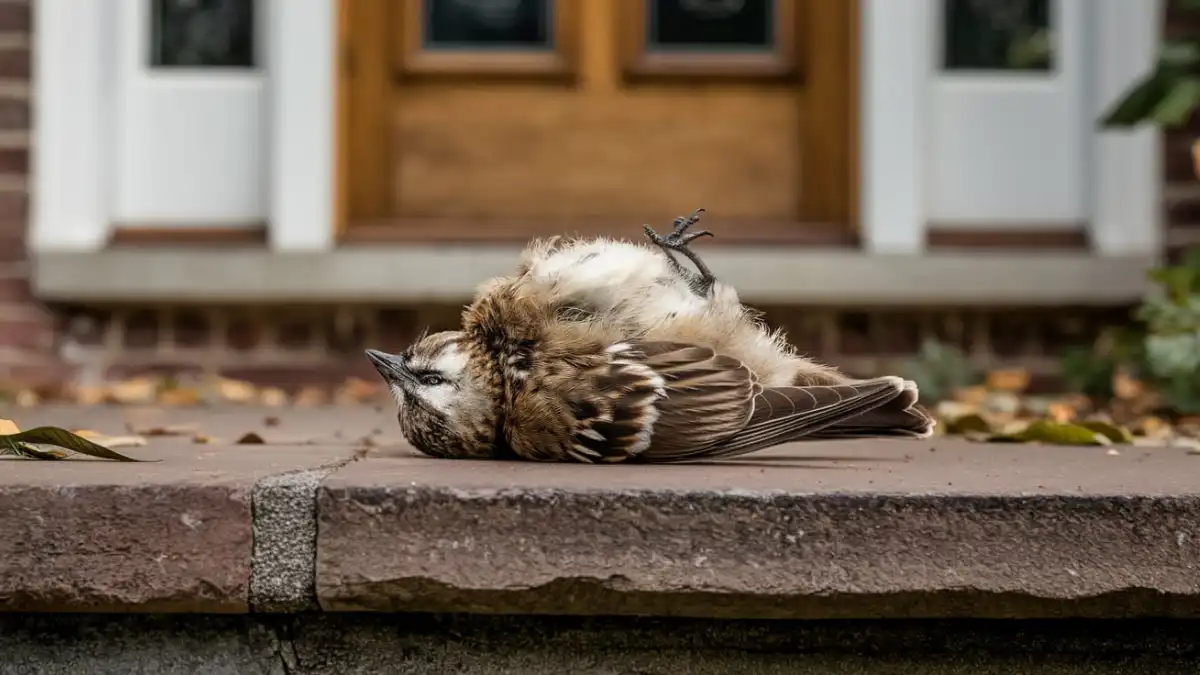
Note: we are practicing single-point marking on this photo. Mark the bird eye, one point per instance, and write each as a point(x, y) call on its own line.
point(432, 380)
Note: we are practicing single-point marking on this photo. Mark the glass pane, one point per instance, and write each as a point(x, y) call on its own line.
point(202, 33)
point(489, 24)
point(998, 35)
point(717, 25)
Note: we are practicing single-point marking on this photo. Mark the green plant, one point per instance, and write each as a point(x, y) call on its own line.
point(939, 369)
point(1162, 347)
point(1169, 93)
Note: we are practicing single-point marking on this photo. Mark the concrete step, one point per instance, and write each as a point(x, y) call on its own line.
point(317, 519)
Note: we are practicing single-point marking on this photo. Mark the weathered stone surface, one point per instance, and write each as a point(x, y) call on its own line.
point(852, 529)
point(170, 536)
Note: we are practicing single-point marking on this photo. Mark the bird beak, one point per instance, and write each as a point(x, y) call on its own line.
point(390, 366)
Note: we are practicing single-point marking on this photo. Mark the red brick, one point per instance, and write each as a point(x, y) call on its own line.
point(15, 289)
point(14, 112)
point(14, 63)
point(16, 17)
point(34, 335)
point(14, 160)
point(14, 209)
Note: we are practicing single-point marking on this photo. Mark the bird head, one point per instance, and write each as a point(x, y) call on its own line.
point(446, 405)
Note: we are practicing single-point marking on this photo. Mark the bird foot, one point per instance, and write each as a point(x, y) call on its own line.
point(678, 242)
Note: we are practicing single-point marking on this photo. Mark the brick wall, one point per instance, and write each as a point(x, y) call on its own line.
point(1181, 190)
point(26, 328)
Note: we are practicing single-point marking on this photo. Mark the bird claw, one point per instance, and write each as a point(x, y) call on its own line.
point(678, 241)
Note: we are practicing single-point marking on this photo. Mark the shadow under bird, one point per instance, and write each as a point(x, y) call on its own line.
point(599, 350)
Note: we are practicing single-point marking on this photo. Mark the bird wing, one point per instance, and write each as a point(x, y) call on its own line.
point(628, 398)
point(656, 401)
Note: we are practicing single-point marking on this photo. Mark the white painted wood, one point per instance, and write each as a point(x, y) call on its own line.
point(189, 143)
point(68, 192)
point(303, 91)
point(893, 124)
point(1126, 174)
point(1008, 148)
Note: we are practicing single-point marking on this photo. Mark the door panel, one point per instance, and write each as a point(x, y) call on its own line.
point(535, 116)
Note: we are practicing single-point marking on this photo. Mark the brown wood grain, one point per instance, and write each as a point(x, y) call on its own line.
point(465, 146)
point(517, 232)
point(123, 235)
point(371, 97)
point(950, 236)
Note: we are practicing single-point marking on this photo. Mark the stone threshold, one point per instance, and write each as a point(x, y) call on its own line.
point(450, 274)
point(314, 520)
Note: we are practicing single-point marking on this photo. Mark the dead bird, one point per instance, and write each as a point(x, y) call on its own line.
point(598, 350)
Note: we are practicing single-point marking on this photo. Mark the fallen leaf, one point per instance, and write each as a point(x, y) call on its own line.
point(1114, 433)
point(89, 396)
point(250, 438)
point(110, 441)
point(8, 427)
point(20, 444)
point(135, 390)
point(1056, 433)
point(202, 439)
point(1012, 380)
point(1153, 427)
point(180, 397)
point(273, 397)
point(174, 430)
point(1061, 412)
point(1126, 387)
point(310, 397)
point(971, 395)
point(236, 391)
point(973, 423)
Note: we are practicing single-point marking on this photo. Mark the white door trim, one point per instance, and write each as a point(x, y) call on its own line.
point(1124, 185)
point(75, 67)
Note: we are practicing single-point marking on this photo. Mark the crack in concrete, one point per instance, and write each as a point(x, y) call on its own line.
point(283, 568)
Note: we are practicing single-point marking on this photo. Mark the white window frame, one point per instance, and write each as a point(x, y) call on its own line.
point(1123, 186)
point(75, 65)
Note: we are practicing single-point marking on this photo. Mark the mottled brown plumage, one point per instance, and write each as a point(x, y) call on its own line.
point(591, 352)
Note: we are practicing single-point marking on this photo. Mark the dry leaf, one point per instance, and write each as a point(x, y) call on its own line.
point(8, 427)
point(971, 395)
point(179, 396)
point(136, 390)
point(89, 396)
point(1112, 432)
point(202, 439)
point(1013, 380)
point(1061, 412)
point(273, 397)
point(250, 438)
point(1126, 387)
point(236, 391)
point(174, 430)
point(310, 397)
point(973, 423)
point(1152, 427)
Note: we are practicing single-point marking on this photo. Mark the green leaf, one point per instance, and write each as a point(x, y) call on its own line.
point(1139, 102)
point(60, 438)
point(1177, 105)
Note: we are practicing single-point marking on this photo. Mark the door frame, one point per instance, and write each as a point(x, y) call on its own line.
point(366, 83)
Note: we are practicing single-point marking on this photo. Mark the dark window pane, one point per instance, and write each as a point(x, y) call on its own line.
point(717, 25)
point(489, 24)
point(998, 35)
point(192, 33)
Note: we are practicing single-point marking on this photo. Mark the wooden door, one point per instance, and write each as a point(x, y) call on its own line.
point(497, 120)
